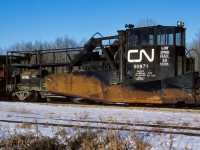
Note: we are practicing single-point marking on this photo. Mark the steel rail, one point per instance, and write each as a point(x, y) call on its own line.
point(120, 123)
point(116, 126)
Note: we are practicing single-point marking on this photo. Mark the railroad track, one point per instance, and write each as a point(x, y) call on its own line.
point(190, 108)
point(108, 125)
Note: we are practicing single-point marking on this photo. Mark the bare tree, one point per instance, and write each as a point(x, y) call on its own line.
point(194, 50)
point(28, 46)
point(68, 42)
point(146, 22)
point(195, 44)
point(38, 45)
point(83, 41)
point(58, 43)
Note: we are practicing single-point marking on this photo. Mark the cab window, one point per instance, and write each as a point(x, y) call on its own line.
point(165, 36)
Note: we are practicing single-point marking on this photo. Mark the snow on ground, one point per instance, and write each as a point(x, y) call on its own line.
point(49, 113)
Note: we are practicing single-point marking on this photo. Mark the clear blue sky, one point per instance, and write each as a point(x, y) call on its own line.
point(45, 20)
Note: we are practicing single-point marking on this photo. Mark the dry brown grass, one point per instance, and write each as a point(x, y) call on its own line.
point(159, 122)
point(24, 125)
point(186, 124)
point(85, 139)
point(20, 110)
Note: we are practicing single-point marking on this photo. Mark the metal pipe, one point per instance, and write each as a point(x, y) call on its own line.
point(121, 51)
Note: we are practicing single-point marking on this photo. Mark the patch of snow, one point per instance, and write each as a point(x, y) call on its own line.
point(58, 113)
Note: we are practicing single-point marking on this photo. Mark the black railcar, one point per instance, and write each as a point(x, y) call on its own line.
point(143, 65)
point(138, 65)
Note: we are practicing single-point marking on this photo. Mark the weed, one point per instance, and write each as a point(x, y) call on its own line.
point(157, 130)
point(9, 115)
point(84, 116)
point(25, 125)
point(21, 110)
point(159, 122)
point(186, 124)
point(61, 132)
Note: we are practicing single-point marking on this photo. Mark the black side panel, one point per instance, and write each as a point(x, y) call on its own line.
point(186, 81)
point(106, 77)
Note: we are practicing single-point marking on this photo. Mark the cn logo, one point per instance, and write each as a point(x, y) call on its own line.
point(141, 53)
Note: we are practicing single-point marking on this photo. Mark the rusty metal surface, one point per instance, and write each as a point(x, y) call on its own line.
point(93, 88)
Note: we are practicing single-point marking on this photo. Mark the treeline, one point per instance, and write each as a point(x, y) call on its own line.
point(58, 43)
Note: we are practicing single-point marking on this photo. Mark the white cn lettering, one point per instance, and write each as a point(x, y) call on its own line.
point(142, 52)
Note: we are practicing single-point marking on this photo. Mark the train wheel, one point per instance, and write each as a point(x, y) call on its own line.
point(34, 96)
point(14, 97)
